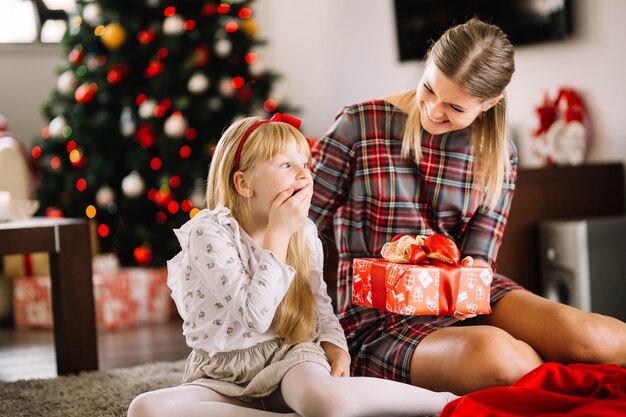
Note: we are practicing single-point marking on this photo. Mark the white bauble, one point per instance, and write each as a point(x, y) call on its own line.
point(173, 25)
point(56, 126)
point(257, 69)
point(226, 87)
point(92, 63)
point(92, 13)
point(133, 185)
point(146, 109)
point(223, 47)
point(198, 83)
point(105, 196)
point(66, 83)
point(175, 125)
point(127, 123)
point(152, 3)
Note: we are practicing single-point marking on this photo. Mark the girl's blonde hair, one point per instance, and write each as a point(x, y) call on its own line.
point(295, 315)
point(480, 59)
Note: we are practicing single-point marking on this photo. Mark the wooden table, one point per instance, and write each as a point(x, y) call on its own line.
point(68, 245)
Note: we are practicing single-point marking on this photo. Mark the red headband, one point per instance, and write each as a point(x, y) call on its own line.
point(278, 117)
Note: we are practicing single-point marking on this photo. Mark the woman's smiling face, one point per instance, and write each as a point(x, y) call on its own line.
point(444, 105)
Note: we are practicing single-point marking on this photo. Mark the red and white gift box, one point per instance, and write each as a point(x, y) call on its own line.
point(436, 288)
point(127, 298)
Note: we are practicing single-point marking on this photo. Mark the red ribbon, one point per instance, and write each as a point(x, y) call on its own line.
point(278, 117)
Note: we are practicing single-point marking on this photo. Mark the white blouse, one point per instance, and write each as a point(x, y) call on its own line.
point(226, 288)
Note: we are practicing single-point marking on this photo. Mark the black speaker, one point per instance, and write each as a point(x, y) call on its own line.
point(583, 263)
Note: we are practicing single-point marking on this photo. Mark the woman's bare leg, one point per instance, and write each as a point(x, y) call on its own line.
point(559, 332)
point(468, 358)
point(309, 389)
point(194, 401)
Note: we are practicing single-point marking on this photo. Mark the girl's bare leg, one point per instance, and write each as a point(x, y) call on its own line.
point(309, 389)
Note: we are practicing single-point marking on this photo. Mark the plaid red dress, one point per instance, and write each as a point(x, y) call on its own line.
point(368, 193)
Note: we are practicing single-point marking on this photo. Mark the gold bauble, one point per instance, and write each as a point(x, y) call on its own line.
point(114, 36)
point(250, 27)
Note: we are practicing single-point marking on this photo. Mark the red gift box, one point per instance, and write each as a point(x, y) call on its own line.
point(436, 288)
point(127, 298)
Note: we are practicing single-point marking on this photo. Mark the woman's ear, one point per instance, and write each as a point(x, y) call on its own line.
point(492, 102)
point(241, 184)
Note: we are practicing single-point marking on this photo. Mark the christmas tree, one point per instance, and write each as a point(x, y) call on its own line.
point(147, 89)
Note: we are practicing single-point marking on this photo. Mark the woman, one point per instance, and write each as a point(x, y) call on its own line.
point(438, 160)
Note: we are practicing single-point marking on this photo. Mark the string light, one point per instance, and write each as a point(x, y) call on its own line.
point(169, 11)
point(103, 230)
point(55, 162)
point(155, 163)
point(36, 152)
point(90, 211)
point(193, 212)
point(81, 184)
point(185, 152)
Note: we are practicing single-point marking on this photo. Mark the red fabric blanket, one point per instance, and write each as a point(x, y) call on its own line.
point(576, 390)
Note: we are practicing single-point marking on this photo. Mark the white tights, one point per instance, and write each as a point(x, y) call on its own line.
point(308, 389)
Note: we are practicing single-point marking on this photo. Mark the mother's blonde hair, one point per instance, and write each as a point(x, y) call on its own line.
point(295, 315)
point(480, 59)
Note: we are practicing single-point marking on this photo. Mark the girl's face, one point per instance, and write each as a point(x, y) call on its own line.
point(444, 105)
point(284, 171)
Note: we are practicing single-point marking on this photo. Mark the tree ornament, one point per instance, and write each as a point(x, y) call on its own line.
point(127, 122)
point(142, 255)
point(66, 83)
point(114, 36)
point(198, 83)
point(92, 14)
point(226, 87)
point(133, 185)
point(175, 125)
point(105, 196)
point(92, 62)
point(173, 25)
point(145, 136)
point(256, 69)
point(56, 126)
point(146, 109)
point(76, 54)
point(86, 92)
point(250, 27)
point(223, 47)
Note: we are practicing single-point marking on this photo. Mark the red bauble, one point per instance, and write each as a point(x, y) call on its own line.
point(86, 92)
point(76, 55)
point(162, 198)
point(145, 136)
point(143, 255)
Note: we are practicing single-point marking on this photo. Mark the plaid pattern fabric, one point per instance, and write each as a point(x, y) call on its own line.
point(370, 193)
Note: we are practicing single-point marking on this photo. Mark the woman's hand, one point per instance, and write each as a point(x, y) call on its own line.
point(338, 358)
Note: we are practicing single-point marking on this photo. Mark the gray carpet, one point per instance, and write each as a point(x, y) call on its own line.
point(105, 393)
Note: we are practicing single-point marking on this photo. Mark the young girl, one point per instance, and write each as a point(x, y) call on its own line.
point(248, 284)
